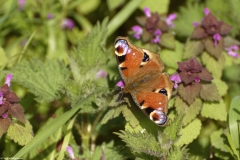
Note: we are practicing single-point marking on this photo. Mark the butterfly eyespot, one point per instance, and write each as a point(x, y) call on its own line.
point(158, 117)
point(121, 47)
point(145, 57)
point(163, 91)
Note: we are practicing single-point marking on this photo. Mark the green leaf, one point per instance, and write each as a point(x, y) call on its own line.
point(214, 110)
point(44, 80)
point(156, 6)
point(217, 140)
point(112, 113)
point(50, 129)
point(189, 132)
point(178, 153)
point(190, 111)
point(233, 120)
point(209, 92)
point(213, 65)
point(222, 86)
point(171, 57)
point(192, 48)
point(232, 148)
point(141, 143)
point(20, 134)
point(191, 12)
point(172, 130)
point(168, 41)
point(129, 116)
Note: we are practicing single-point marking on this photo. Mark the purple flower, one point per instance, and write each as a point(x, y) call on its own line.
point(147, 12)
point(50, 16)
point(70, 152)
point(156, 39)
point(101, 73)
point(216, 38)
point(137, 31)
point(21, 4)
point(197, 79)
point(232, 51)
point(68, 24)
point(1, 98)
point(195, 24)
point(8, 79)
point(121, 84)
point(206, 11)
point(4, 115)
point(170, 18)
point(103, 154)
point(176, 79)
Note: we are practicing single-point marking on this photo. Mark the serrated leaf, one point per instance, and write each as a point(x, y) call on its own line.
point(189, 92)
point(214, 110)
point(16, 111)
point(217, 140)
point(171, 57)
point(178, 153)
point(213, 65)
point(190, 111)
point(189, 132)
point(222, 86)
point(4, 125)
point(129, 116)
point(191, 12)
point(167, 40)
point(173, 129)
point(209, 92)
point(112, 113)
point(192, 48)
point(43, 79)
point(20, 134)
point(215, 51)
point(141, 143)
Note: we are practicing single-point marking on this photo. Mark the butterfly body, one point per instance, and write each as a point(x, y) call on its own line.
point(141, 71)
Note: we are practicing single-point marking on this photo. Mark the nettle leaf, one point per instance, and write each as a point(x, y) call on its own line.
point(112, 113)
point(217, 140)
point(4, 125)
point(20, 134)
point(178, 153)
point(214, 110)
point(172, 130)
point(222, 86)
point(213, 65)
point(16, 111)
point(192, 48)
point(209, 92)
point(141, 143)
point(189, 132)
point(43, 79)
point(167, 40)
point(189, 92)
point(171, 57)
point(190, 111)
point(129, 116)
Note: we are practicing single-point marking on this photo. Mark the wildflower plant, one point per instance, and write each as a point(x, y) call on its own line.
point(61, 96)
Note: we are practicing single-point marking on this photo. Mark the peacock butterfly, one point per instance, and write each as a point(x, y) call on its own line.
point(142, 73)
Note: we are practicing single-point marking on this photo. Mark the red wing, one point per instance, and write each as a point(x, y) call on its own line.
point(133, 61)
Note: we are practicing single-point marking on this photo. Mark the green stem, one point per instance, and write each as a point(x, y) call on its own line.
point(122, 16)
point(26, 46)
